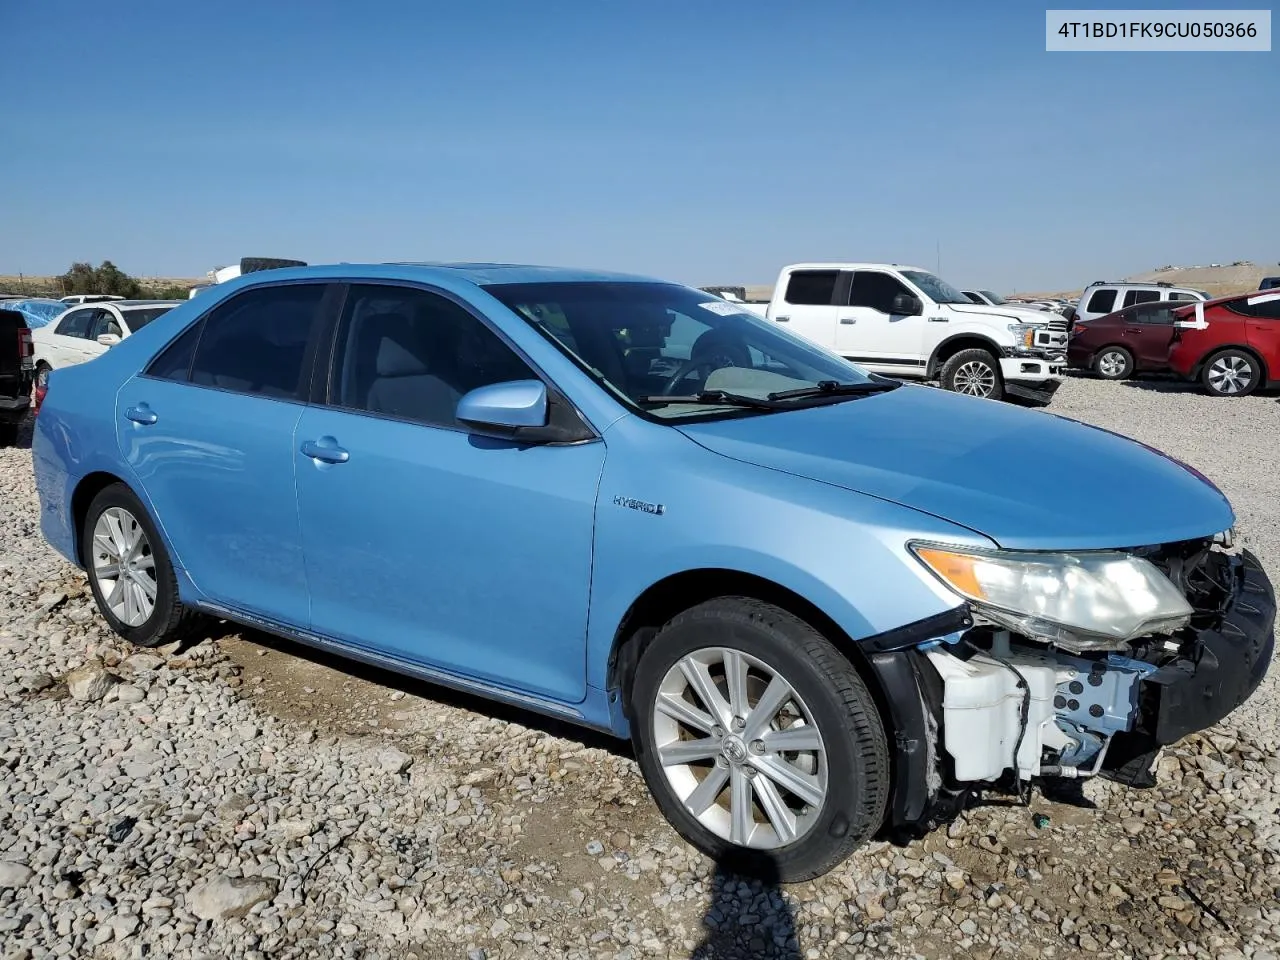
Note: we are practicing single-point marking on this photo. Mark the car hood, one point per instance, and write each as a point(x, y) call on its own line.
point(1008, 312)
point(1027, 479)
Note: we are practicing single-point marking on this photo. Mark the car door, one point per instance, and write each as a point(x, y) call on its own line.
point(208, 429)
point(67, 343)
point(1262, 325)
point(105, 321)
point(1148, 333)
point(870, 332)
point(808, 305)
point(423, 540)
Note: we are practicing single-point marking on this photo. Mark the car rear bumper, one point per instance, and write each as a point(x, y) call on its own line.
point(13, 409)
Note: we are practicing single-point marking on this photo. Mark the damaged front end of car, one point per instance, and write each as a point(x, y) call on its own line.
point(1068, 666)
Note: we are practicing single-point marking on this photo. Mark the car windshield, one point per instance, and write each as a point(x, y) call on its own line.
point(937, 289)
point(137, 319)
point(994, 298)
point(647, 341)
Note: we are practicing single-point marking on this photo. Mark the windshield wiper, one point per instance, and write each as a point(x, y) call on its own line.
point(719, 398)
point(832, 388)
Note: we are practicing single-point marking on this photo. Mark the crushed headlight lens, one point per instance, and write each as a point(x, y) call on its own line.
point(1065, 597)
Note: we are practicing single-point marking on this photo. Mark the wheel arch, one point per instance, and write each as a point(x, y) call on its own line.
point(949, 347)
point(666, 598)
point(89, 486)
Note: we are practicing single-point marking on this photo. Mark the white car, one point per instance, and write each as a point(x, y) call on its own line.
point(87, 331)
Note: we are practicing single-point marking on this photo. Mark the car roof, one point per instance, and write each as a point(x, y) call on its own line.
point(479, 274)
point(136, 304)
point(852, 265)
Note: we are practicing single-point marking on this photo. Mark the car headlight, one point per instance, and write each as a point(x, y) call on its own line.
point(1084, 600)
point(1024, 334)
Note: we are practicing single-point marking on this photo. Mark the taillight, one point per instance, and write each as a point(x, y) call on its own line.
point(26, 349)
point(37, 397)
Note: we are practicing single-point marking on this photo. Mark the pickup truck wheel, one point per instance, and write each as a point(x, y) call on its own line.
point(1113, 363)
point(974, 372)
point(760, 742)
point(1231, 373)
point(129, 571)
point(8, 434)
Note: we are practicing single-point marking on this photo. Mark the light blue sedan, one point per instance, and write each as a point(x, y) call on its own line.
point(820, 602)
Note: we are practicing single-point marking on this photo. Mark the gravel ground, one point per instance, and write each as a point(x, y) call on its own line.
point(240, 797)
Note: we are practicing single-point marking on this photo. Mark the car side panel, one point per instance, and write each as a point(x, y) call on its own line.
point(720, 514)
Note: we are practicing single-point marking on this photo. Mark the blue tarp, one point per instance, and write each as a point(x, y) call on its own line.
point(39, 312)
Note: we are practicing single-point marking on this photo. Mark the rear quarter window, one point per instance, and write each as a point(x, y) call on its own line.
point(812, 287)
point(1101, 301)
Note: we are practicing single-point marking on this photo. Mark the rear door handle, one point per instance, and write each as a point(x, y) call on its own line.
point(848, 320)
point(141, 414)
point(782, 319)
point(325, 449)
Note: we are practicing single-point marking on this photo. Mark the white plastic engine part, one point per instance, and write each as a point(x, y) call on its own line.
point(982, 707)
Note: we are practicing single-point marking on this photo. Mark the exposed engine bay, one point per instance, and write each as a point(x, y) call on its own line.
point(1003, 708)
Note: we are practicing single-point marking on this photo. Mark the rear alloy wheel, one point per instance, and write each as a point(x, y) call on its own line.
point(1231, 373)
point(759, 741)
point(129, 571)
point(1113, 363)
point(974, 372)
point(42, 375)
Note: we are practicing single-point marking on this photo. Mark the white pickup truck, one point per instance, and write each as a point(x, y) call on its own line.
point(905, 322)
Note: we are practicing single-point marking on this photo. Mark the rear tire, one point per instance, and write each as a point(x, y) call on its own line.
point(795, 752)
point(974, 372)
point(8, 434)
point(1113, 363)
point(42, 374)
point(1231, 373)
point(129, 570)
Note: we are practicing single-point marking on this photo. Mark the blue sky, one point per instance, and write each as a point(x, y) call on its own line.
point(707, 142)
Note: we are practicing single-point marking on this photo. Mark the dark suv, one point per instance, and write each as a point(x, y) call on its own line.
point(17, 368)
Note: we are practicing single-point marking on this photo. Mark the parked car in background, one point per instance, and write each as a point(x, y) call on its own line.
point(1120, 344)
point(820, 602)
point(984, 296)
point(85, 332)
point(37, 311)
point(78, 298)
point(1269, 283)
point(1231, 345)
point(1101, 297)
point(905, 322)
point(16, 371)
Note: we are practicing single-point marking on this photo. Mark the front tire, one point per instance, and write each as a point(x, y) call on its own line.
point(760, 742)
point(1113, 363)
point(129, 571)
point(1231, 373)
point(42, 374)
point(974, 372)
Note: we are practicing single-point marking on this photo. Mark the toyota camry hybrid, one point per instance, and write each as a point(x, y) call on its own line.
point(820, 602)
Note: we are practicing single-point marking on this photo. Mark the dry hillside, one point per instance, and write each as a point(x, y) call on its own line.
point(50, 287)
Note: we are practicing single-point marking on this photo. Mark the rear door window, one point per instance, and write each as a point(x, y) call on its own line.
point(1102, 301)
point(256, 342)
point(812, 287)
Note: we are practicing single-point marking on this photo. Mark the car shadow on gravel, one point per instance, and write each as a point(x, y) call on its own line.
point(748, 918)
point(437, 693)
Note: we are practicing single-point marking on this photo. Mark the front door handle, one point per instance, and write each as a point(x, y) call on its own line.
point(848, 320)
point(141, 414)
point(1133, 330)
point(325, 449)
point(782, 319)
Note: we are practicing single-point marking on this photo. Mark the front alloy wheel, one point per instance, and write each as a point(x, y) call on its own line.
point(759, 740)
point(740, 748)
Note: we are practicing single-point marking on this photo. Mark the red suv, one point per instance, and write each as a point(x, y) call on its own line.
point(1235, 348)
point(1117, 345)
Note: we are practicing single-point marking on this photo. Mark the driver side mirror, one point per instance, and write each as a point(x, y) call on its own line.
point(108, 339)
point(904, 304)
